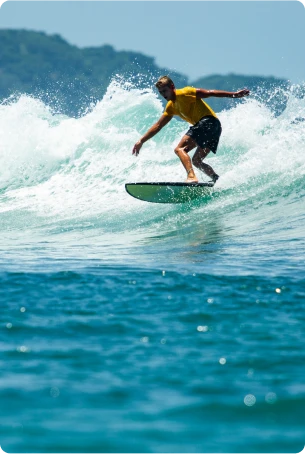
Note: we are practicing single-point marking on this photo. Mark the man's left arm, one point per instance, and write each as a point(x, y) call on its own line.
point(202, 93)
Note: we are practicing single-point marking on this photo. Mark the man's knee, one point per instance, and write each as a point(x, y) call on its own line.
point(178, 150)
point(199, 156)
point(196, 160)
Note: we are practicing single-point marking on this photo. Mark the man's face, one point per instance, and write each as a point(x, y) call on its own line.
point(167, 92)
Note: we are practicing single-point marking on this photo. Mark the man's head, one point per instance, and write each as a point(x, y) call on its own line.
point(164, 81)
point(166, 87)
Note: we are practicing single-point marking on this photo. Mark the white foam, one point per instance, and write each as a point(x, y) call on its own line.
point(66, 168)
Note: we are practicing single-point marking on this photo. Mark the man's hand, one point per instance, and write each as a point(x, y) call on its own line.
point(137, 148)
point(163, 120)
point(241, 93)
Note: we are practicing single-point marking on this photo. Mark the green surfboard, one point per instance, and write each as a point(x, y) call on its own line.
point(168, 192)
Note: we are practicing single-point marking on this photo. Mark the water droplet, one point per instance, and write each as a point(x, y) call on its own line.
point(271, 398)
point(9, 325)
point(278, 290)
point(202, 328)
point(22, 309)
point(222, 361)
point(249, 400)
point(145, 339)
point(54, 392)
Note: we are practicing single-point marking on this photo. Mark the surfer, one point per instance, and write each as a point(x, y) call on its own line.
point(205, 130)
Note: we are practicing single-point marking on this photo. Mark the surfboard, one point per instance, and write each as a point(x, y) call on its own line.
point(168, 192)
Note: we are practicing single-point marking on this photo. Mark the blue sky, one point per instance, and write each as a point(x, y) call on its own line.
point(196, 38)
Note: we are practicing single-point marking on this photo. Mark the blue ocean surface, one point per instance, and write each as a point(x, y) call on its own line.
point(136, 327)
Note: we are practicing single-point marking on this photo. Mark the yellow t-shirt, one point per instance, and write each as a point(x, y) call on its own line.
point(187, 106)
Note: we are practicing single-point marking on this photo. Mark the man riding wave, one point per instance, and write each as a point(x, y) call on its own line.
point(205, 131)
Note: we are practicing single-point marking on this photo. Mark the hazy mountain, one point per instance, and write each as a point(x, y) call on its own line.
point(70, 79)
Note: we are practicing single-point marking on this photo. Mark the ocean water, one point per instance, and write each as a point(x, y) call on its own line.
point(136, 327)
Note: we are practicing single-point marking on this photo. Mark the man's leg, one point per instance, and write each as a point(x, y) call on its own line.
point(185, 145)
point(199, 155)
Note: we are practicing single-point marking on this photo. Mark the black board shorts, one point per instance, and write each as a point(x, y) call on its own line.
point(206, 132)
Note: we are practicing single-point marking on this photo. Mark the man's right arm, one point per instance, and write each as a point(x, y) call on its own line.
point(163, 120)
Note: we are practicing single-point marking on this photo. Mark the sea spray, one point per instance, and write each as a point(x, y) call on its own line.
point(63, 168)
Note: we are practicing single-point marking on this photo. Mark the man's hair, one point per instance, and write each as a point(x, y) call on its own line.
point(164, 80)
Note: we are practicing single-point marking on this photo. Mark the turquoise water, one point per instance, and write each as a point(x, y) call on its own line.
point(134, 327)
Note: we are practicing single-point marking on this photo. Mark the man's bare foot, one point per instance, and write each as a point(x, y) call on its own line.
point(191, 177)
point(191, 180)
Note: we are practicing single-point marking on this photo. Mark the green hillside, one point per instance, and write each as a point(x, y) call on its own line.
point(70, 79)
point(65, 76)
